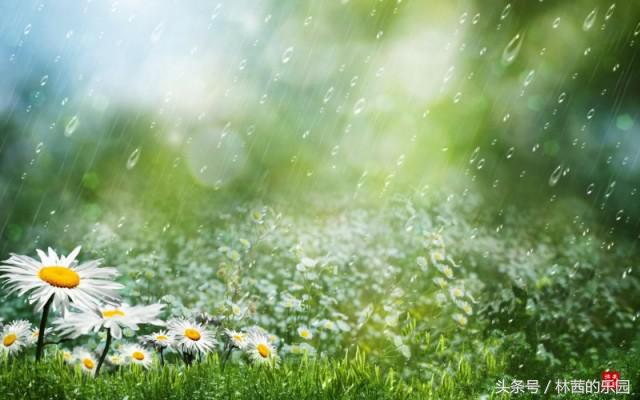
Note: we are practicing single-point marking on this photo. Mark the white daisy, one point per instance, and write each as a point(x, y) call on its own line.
point(137, 355)
point(86, 361)
point(260, 350)
point(113, 318)
point(460, 319)
point(15, 337)
point(33, 338)
point(117, 359)
point(190, 337)
point(305, 333)
point(238, 339)
point(68, 356)
point(160, 340)
point(61, 279)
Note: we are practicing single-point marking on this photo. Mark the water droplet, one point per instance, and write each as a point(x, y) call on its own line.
point(610, 11)
point(27, 29)
point(555, 175)
point(513, 48)
point(505, 11)
point(44, 80)
point(510, 152)
point(157, 32)
point(475, 19)
point(71, 126)
point(328, 94)
point(590, 113)
point(39, 147)
point(529, 78)
point(286, 55)
point(636, 31)
point(481, 163)
point(556, 23)
point(589, 20)
point(133, 159)
point(359, 106)
point(615, 67)
point(474, 155)
point(307, 20)
point(562, 97)
point(590, 189)
point(610, 189)
point(448, 74)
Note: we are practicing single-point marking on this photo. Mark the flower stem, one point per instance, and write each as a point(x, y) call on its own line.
point(226, 356)
point(161, 351)
point(104, 352)
point(43, 327)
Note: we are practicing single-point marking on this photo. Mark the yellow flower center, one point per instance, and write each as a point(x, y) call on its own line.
point(304, 334)
point(192, 334)
point(88, 363)
point(138, 355)
point(9, 339)
point(112, 313)
point(263, 350)
point(237, 338)
point(62, 277)
point(161, 338)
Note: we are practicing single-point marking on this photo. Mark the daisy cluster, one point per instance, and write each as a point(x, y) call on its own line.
point(88, 303)
point(356, 278)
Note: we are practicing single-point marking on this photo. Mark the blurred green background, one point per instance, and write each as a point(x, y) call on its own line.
point(125, 107)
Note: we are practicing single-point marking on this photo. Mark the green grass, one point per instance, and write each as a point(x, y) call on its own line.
point(352, 377)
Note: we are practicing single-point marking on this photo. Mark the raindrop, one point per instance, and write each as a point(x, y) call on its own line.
point(359, 106)
point(589, 20)
point(27, 29)
point(157, 32)
point(133, 159)
point(562, 97)
point(448, 74)
point(513, 48)
point(619, 215)
point(456, 98)
point(308, 20)
point(243, 64)
point(481, 163)
point(72, 125)
point(510, 152)
point(505, 11)
point(286, 55)
point(328, 94)
point(590, 189)
point(39, 147)
point(556, 23)
point(555, 175)
point(636, 32)
point(615, 67)
point(610, 189)
point(590, 113)
point(44, 80)
point(610, 11)
point(474, 155)
point(475, 19)
point(529, 78)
